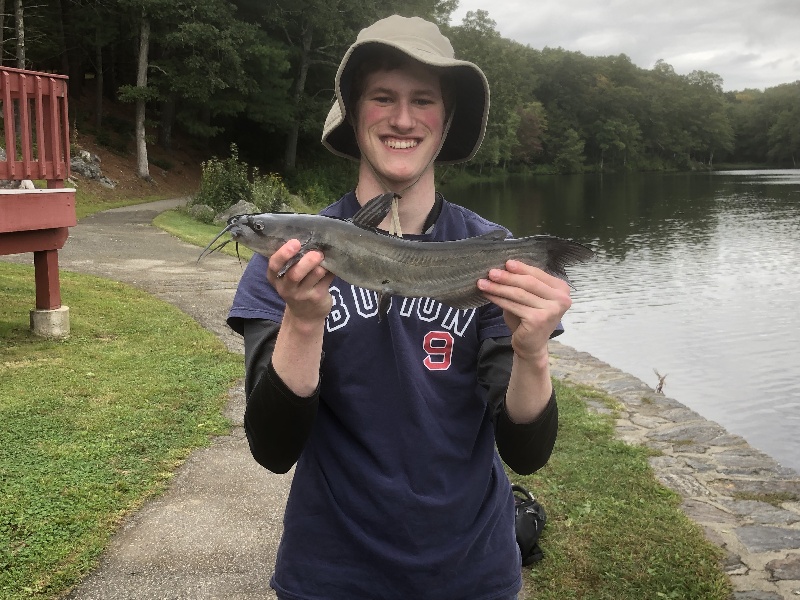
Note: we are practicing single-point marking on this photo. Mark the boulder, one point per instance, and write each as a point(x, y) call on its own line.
point(240, 208)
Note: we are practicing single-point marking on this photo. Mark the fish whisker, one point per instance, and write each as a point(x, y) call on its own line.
point(209, 250)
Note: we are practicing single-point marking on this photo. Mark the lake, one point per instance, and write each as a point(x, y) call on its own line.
point(697, 277)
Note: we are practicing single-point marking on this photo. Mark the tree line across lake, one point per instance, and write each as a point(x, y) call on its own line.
point(259, 74)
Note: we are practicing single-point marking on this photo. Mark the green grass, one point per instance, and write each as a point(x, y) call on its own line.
point(613, 532)
point(182, 226)
point(95, 424)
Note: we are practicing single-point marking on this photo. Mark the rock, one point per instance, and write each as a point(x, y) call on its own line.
point(763, 538)
point(86, 169)
point(786, 568)
point(240, 208)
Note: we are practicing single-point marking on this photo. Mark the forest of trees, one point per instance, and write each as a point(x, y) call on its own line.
point(260, 73)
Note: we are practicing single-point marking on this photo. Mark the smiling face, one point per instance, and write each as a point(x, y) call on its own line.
point(399, 118)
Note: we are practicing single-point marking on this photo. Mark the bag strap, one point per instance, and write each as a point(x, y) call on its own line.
point(519, 489)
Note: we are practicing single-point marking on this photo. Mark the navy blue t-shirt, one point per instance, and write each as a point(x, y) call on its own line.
point(399, 492)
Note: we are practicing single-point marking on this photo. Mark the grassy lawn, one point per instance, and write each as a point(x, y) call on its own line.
point(613, 532)
point(94, 425)
point(182, 226)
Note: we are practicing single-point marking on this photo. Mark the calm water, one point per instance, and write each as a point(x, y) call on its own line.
point(698, 276)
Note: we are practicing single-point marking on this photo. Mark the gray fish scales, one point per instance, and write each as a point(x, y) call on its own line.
point(391, 266)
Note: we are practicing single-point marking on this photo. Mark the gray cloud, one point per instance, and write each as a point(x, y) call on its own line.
point(749, 44)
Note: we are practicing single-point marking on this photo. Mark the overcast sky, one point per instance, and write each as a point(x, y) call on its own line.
point(749, 43)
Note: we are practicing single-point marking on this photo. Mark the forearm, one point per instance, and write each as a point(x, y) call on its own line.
point(277, 421)
point(297, 354)
point(529, 388)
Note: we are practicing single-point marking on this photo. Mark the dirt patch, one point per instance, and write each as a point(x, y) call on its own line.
point(179, 175)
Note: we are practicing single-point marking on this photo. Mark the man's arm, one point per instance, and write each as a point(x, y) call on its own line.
point(276, 420)
point(282, 362)
point(524, 447)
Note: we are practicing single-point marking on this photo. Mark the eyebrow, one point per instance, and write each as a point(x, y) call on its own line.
point(426, 91)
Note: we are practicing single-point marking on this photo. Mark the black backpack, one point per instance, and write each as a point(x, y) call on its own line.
point(530, 521)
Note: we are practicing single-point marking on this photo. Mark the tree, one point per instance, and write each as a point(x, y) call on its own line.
point(19, 23)
point(531, 129)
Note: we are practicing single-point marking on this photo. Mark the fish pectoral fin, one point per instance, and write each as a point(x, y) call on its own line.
point(384, 301)
point(374, 211)
point(304, 249)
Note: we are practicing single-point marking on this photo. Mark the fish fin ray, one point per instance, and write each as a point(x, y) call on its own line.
point(562, 253)
point(384, 301)
point(374, 211)
point(464, 301)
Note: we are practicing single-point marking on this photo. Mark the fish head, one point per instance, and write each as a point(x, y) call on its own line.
point(261, 233)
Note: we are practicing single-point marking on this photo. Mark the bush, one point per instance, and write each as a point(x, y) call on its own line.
point(269, 193)
point(325, 182)
point(224, 182)
point(315, 196)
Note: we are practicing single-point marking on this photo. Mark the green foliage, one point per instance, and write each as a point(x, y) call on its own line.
point(224, 182)
point(95, 424)
point(269, 192)
point(325, 182)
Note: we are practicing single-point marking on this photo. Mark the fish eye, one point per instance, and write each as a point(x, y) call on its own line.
point(258, 226)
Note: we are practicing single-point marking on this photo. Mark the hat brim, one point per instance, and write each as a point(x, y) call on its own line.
point(470, 110)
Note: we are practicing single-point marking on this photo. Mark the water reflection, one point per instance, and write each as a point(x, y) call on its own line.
point(698, 276)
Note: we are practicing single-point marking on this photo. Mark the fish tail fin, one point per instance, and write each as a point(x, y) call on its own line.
point(562, 253)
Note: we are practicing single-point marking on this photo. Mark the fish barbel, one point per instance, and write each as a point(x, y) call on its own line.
point(391, 266)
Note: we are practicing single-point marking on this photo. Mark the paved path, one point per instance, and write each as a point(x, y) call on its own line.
point(214, 534)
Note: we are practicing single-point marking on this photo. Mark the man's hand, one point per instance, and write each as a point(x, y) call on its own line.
point(304, 287)
point(533, 304)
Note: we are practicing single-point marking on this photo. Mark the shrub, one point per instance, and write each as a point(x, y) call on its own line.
point(224, 182)
point(269, 192)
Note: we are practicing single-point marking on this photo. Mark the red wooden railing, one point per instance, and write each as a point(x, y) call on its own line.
point(36, 134)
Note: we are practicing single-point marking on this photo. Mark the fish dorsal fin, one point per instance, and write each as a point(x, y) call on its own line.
point(374, 211)
point(496, 235)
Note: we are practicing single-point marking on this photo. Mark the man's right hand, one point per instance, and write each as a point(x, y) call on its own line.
point(304, 287)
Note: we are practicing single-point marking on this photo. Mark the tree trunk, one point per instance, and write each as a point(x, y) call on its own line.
point(290, 157)
point(20, 26)
point(167, 119)
point(2, 28)
point(98, 82)
point(142, 168)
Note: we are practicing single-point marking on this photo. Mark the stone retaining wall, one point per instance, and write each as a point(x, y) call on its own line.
point(745, 501)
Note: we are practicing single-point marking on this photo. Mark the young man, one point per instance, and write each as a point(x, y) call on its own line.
point(395, 423)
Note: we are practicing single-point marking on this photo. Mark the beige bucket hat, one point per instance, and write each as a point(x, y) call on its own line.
point(422, 41)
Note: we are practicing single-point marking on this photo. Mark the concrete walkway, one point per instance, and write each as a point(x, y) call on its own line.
point(214, 534)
